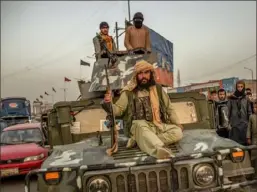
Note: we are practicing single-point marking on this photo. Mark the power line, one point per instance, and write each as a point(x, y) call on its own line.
point(224, 68)
point(58, 45)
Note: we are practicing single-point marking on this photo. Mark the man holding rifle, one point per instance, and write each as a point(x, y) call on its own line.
point(103, 40)
point(150, 120)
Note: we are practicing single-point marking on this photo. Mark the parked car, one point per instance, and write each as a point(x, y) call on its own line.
point(22, 149)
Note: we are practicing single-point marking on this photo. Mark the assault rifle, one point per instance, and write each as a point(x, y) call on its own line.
point(112, 57)
point(112, 122)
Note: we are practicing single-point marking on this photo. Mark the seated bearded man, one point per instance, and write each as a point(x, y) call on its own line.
point(150, 121)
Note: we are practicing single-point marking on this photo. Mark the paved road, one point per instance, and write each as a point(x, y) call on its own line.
point(16, 184)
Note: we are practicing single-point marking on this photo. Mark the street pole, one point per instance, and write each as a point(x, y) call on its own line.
point(64, 93)
point(117, 35)
point(53, 98)
point(252, 87)
point(129, 10)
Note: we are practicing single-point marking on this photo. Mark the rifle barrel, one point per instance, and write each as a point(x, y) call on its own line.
point(113, 121)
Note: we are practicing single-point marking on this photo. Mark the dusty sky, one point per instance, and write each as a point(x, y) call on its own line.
point(42, 42)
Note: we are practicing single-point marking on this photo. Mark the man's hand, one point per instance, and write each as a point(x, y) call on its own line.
point(249, 142)
point(108, 97)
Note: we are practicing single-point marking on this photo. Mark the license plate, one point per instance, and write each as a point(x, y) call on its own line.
point(9, 172)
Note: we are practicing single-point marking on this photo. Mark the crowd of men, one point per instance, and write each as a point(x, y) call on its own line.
point(236, 114)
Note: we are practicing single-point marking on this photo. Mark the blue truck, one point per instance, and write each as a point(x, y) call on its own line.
point(15, 110)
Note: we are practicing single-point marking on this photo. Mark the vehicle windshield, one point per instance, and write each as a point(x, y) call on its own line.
point(13, 137)
point(14, 107)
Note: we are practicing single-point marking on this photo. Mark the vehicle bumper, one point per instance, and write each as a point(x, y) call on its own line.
point(215, 189)
point(235, 185)
point(23, 168)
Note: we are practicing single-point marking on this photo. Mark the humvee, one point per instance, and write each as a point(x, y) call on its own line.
point(79, 138)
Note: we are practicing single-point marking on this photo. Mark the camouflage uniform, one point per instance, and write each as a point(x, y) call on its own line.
point(99, 47)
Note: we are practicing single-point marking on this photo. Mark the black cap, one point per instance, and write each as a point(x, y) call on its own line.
point(138, 15)
point(103, 24)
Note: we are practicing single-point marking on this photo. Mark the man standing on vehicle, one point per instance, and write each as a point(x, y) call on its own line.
point(137, 35)
point(239, 109)
point(151, 121)
point(103, 37)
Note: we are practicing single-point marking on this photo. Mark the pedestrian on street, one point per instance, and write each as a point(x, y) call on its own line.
point(221, 114)
point(252, 135)
point(249, 96)
point(239, 110)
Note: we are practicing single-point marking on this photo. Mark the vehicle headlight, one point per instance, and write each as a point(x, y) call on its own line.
point(204, 175)
point(34, 158)
point(237, 156)
point(99, 184)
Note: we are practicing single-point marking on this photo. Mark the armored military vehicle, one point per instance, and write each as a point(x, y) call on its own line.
point(79, 138)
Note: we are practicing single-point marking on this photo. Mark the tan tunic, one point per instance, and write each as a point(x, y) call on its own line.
point(137, 38)
point(148, 137)
point(121, 104)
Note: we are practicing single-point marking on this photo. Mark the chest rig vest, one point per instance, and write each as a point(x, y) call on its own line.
point(140, 109)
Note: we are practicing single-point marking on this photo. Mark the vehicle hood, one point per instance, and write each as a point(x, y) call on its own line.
point(20, 151)
point(89, 153)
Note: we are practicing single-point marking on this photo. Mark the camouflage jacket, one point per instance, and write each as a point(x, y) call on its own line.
point(99, 48)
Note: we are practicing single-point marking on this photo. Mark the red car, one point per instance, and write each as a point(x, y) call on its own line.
point(21, 149)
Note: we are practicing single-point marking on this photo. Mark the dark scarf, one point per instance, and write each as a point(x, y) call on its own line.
point(240, 94)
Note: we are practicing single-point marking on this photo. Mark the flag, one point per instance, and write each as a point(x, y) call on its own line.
point(41, 96)
point(53, 90)
point(84, 63)
point(46, 93)
point(66, 79)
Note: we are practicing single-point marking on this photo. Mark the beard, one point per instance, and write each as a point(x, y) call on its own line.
point(145, 83)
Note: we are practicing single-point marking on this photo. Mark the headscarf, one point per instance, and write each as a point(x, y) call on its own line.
point(108, 39)
point(154, 99)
